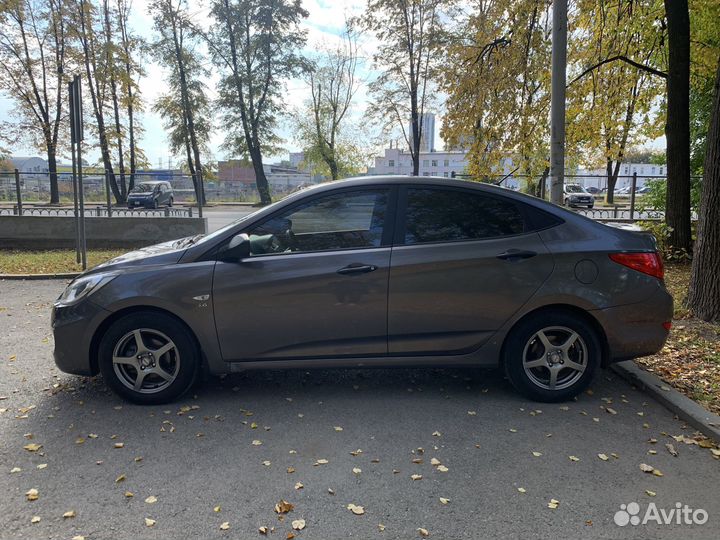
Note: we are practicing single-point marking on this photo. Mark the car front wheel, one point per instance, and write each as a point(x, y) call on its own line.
point(552, 356)
point(148, 358)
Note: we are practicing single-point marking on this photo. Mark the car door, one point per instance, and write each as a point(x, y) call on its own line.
point(463, 263)
point(315, 284)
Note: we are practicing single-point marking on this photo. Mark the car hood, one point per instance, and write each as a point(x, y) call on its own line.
point(140, 194)
point(163, 253)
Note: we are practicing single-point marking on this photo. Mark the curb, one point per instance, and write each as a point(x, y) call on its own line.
point(704, 421)
point(67, 275)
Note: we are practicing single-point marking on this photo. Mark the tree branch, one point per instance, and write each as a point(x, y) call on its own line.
point(622, 58)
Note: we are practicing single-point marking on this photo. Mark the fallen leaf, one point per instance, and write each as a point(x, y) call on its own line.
point(263, 530)
point(338, 428)
point(356, 453)
point(121, 445)
point(416, 476)
point(15, 470)
point(381, 527)
point(299, 485)
point(298, 524)
point(610, 410)
point(129, 494)
point(512, 430)
point(256, 442)
point(149, 522)
point(290, 536)
point(321, 462)
point(437, 434)
point(537, 454)
point(152, 499)
point(472, 413)
point(423, 532)
point(32, 447)
point(357, 470)
point(573, 458)
point(644, 467)
point(41, 466)
point(225, 525)
point(78, 537)
point(650, 493)
point(290, 470)
point(120, 478)
point(657, 472)
point(442, 468)
point(443, 500)
point(217, 509)
point(671, 449)
point(331, 491)
point(32, 494)
point(357, 510)
point(522, 490)
point(603, 457)
point(69, 514)
point(35, 519)
point(553, 504)
point(283, 507)
point(79, 440)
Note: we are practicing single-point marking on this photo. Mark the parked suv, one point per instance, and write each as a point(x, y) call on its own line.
point(151, 195)
point(375, 271)
point(575, 195)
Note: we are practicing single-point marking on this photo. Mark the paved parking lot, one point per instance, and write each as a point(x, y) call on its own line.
point(486, 462)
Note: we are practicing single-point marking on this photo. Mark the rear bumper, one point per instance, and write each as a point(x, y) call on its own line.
point(635, 330)
point(73, 329)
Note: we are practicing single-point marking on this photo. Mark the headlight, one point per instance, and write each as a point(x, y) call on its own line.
point(82, 287)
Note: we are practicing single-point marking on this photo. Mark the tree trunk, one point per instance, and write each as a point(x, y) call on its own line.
point(677, 126)
point(52, 172)
point(704, 293)
point(260, 178)
point(611, 181)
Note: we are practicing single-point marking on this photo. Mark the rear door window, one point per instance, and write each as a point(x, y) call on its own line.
point(445, 215)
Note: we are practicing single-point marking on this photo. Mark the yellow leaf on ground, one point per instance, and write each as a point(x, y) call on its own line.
point(603, 457)
point(152, 499)
point(442, 468)
point(537, 454)
point(283, 507)
point(522, 490)
point(443, 500)
point(298, 524)
point(263, 530)
point(299, 485)
point(553, 504)
point(650, 493)
point(35, 519)
point(357, 470)
point(357, 510)
point(256, 442)
point(574, 458)
point(120, 478)
point(119, 445)
point(32, 447)
point(69, 514)
point(32, 494)
point(217, 509)
point(423, 532)
point(225, 525)
point(338, 428)
point(435, 462)
point(416, 476)
point(149, 522)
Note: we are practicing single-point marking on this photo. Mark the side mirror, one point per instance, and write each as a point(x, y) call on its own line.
point(237, 249)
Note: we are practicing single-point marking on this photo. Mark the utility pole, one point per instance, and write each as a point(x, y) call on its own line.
point(557, 101)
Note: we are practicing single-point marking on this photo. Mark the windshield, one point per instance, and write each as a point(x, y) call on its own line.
point(574, 188)
point(143, 188)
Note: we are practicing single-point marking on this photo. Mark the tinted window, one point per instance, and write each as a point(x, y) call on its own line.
point(348, 220)
point(435, 215)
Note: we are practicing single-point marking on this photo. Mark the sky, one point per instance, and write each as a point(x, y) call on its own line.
point(324, 25)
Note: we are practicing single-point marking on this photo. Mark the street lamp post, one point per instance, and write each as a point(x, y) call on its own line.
point(557, 101)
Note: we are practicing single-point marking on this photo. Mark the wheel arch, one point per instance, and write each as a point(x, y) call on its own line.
point(568, 308)
point(116, 315)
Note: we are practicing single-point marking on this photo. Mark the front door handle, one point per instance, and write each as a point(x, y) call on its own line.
point(516, 254)
point(357, 268)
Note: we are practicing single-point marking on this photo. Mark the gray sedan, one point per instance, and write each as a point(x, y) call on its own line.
point(373, 272)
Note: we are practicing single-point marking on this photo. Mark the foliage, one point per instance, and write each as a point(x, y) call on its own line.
point(498, 84)
point(655, 199)
point(409, 35)
point(662, 233)
point(613, 105)
point(255, 44)
point(33, 60)
point(704, 51)
point(330, 77)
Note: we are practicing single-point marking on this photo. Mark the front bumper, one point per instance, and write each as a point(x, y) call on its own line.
point(144, 203)
point(635, 330)
point(73, 329)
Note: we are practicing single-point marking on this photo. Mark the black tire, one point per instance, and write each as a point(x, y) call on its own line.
point(586, 351)
point(182, 362)
point(567, 203)
point(170, 202)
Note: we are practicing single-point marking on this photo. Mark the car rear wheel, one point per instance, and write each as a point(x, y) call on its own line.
point(170, 202)
point(552, 356)
point(148, 358)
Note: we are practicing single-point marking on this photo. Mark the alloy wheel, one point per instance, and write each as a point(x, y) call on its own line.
point(555, 357)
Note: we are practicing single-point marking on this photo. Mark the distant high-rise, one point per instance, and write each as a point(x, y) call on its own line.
point(427, 132)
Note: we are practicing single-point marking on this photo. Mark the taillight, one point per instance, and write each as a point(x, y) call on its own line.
point(647, 263)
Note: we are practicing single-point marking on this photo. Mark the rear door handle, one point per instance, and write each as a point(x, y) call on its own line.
point(516, 254)
point(357, 268)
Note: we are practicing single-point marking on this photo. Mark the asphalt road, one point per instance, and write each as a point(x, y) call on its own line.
point(198, 454)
